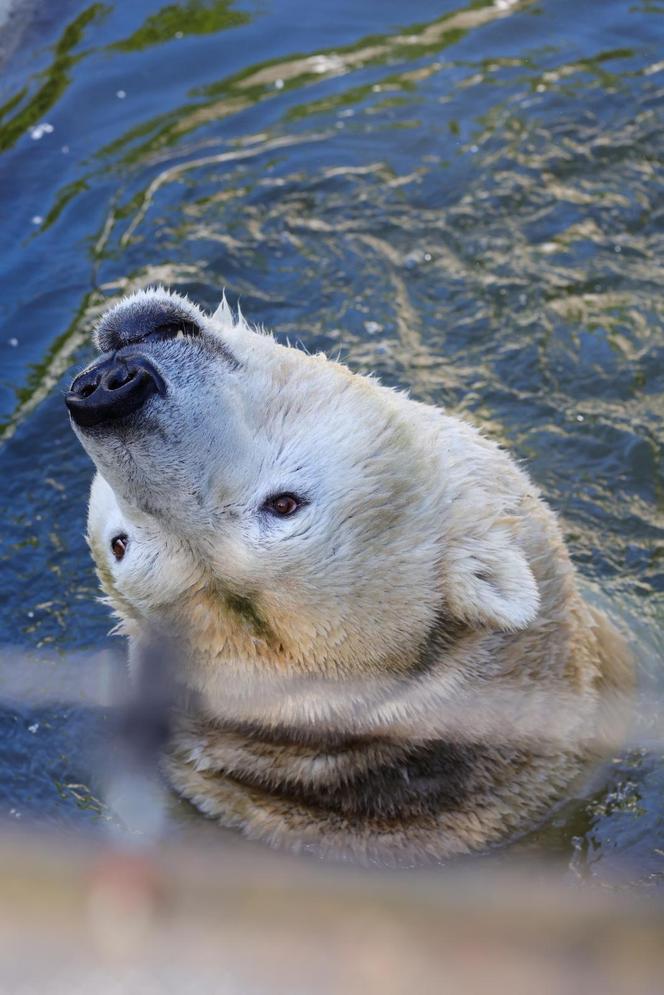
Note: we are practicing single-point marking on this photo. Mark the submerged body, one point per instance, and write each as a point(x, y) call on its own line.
point(379, 629)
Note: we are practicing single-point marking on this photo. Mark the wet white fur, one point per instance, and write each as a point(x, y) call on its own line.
point(415, 525)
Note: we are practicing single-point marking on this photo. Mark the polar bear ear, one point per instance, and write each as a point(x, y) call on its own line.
point(488, 583)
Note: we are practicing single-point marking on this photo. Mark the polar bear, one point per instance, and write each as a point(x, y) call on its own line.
point(381, 640)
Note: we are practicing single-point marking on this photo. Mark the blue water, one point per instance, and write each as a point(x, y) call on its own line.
point(466, 200)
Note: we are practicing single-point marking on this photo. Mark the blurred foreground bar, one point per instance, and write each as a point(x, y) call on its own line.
point(242, 920)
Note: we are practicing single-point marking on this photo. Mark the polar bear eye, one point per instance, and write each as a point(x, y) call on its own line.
point(283, 505)
point(119, 546)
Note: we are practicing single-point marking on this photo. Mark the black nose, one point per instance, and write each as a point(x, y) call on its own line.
point(114, 387)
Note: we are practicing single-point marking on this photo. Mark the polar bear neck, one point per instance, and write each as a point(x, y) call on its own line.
point(439, 766)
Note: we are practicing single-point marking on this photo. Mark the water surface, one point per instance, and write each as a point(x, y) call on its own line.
point(466, 200)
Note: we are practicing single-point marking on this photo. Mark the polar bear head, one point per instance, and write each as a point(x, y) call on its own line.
point(283, 513)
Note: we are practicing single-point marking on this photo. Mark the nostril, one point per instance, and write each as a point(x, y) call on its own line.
point(119, 378)
point(89, 388)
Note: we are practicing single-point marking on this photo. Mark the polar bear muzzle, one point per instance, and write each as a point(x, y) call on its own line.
point(120, 383)
point(115, 387)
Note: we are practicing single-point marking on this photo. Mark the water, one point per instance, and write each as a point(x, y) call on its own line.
point(464, 199)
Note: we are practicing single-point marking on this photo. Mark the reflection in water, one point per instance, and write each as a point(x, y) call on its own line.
point(29, 105)
point(267, 79)
point(467, 205)
point(178, 20)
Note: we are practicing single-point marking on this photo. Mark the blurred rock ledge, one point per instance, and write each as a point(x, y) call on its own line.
point(81, 917)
